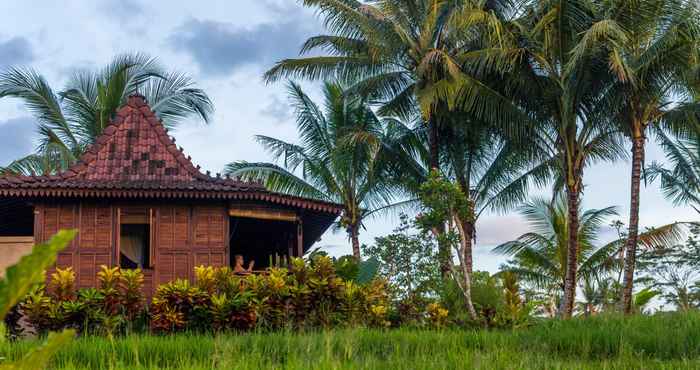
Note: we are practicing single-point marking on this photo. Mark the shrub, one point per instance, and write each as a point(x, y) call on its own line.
point(62, 285)
point(131, 293)
point(108, 279)
point(376, 304)
point(437, 315)
point(234, 313)
point(13, 328)
point(347, 268)
point(305, 295)
point(117, 301)
point(175, 305)
point(37, 307)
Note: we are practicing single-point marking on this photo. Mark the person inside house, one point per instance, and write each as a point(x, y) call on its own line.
point(239, 269)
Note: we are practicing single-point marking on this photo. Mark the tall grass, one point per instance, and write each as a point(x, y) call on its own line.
point(668, 341)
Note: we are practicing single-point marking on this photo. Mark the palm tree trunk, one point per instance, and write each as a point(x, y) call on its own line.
point(468, 228)
point(434, 144)
point(631, 243)
point(465, 241)
point(572, 193)
point(444, 254)
point(355, 238)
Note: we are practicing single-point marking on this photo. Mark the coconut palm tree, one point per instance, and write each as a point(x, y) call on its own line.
point(71, 119)
point(540, 256)
point(340, 157)
point(560, 84)
point(494, 173)
point(408, 55)
point(651, 62)
point(592, 297)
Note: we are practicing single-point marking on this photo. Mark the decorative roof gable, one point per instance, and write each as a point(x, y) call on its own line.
point(135, 158)
point(135, 147)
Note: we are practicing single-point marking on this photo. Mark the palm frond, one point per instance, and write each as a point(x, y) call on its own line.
point(275, 179)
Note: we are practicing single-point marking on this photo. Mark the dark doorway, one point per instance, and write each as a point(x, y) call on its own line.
point(263, 241)
point(16, 217)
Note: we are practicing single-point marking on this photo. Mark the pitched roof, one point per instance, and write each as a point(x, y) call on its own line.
point(135, 157)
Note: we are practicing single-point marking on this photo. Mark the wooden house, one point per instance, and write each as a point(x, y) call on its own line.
point(138, 201)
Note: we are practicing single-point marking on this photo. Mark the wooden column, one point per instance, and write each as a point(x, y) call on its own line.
point(291, 251)
point(300, 238)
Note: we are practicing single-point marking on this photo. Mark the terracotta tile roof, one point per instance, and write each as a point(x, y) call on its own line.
point(135, 157)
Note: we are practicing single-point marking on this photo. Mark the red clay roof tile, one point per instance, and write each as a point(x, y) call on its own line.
point(135, 157)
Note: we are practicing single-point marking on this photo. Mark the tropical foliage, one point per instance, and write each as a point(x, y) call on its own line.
point(681, 182)
point(652, 89)
point(340, 160)
point(412, 57)
point(407, 260)
point(539, 256)
point(307, 295)
point(18, 280)
point(453, 109)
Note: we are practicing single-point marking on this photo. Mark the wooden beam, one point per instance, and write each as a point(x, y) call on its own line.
point(131, 215)
point(264, 214)
point(16, 239)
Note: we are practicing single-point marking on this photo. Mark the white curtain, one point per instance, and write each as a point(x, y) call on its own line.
point(132, 247)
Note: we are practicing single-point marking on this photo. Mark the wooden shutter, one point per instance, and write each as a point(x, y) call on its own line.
point(209, 226)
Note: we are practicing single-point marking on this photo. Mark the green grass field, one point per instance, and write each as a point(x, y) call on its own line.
point(670, 341)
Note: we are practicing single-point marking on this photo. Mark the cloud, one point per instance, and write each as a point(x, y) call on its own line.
point(120, 10)
point(220, 48)
point(277, 109)
point(16, 140)
point(15, 51)
point(131, 16)
point(492, 230)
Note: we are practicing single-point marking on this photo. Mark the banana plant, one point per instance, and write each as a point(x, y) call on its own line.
point(19, 280)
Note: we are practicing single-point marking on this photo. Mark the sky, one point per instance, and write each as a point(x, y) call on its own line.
point(226, 46)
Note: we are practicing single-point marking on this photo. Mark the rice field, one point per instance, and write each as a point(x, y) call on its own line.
point(666, 341)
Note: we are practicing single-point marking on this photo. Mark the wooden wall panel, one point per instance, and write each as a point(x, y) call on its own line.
point(104, 226)
point(88, 267)
point(55, 217)
point(181, 227)
point(67, 217)
point(172, 266)
point(189, 237)
point(87, 234)
point(96, 227)
point(166, 227)
point(183, 267)
point(148, 287)
point(50, 226)
point(183, 237)
point(209, 226)
point(65, 259)
point(165, 269)
point(173, 227)
point(212, 258)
